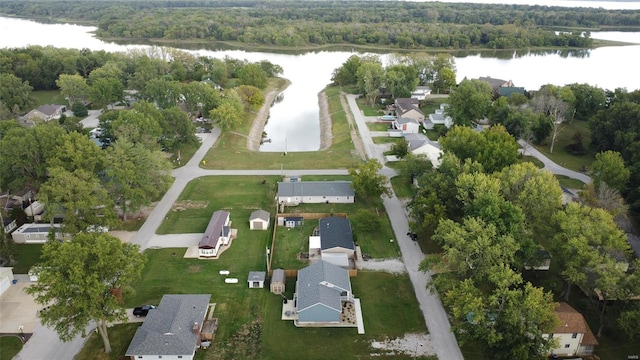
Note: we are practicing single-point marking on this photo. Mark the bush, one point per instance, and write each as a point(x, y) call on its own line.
point(79, 110)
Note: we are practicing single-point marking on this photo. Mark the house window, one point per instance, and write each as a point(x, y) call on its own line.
point(179, 356)
point(139, 356)
point(566, 346)
point(575, 335)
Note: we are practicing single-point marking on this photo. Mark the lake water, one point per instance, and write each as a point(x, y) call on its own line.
point(294, 122)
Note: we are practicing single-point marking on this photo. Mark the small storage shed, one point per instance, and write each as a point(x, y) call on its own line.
point(293, 221)
point(256, 279)
point(259, 220)
point(277, 281)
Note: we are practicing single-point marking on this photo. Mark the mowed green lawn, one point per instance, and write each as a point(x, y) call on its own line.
point(289, 243)
point(44, 97)
point(230, 151)
point(10, 346)
point(202, 196)
point(560, 156)
point(27, 255)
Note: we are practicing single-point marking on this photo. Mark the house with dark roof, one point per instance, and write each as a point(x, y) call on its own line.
point(172, 330)
point(409, 108)
point(315, 192)
point(217, 234)
point(259, 220)
point(333, 241)
point(321, 290)
point(501, 87)
point(573, 334)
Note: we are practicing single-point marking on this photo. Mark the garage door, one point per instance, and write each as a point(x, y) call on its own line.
point(5, 283)
point(257, 225)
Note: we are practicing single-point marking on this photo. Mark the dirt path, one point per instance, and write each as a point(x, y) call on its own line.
point(255, 134)
point(326, 134)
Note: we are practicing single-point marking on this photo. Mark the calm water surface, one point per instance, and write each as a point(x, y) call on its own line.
point(294, 122)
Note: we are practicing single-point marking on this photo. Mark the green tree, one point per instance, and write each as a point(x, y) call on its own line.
point(15, 95)
point(346, 74)
point(414, 166)
point(253, 75)
point(139, 125)
point(588, 100)
point(609, 168)
point(226, 115)
point(494, 148)
point(79, 110)
point(370, 76)
point(400, 149)
point(79, 282)
point(401, 80)
point(469, 102)
point(251, 96)
point(367, 181)
point(177, 128)
point(8, 248)
point(73, 87)
point(445, 80)
point(366, 222)
point(75, 151)
point(79, 197)
point(135, 175)
point(200, 97)
point(106, 91)
point(162, 92)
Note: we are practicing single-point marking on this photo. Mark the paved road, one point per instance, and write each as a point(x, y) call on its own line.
point(444, 342)
point(91, 121)
point(550, 165)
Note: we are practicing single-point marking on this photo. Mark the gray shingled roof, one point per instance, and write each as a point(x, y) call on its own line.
point(416, 140)
point(259, 214)
point(278, 276)
point(168, 330)
point(49, 109)
point(322, 283)
point(406, 104)
point(315, 188)
point(405, 120)
point(256, 276)
point(336, 232)
point(215, 229)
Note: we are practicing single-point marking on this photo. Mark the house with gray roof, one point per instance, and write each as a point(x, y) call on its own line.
point(333, 240)
point(217, 234)
point(46, 112)
point(315, 192)
point(172, 330)
point(255, 280)
point(321, 290)
point(407, 125)
point(259, 220)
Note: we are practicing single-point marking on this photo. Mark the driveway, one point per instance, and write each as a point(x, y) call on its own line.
point(17, 308)
point(91, 121)
point(550, 165)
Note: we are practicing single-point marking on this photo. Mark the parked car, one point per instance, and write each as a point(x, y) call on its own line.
point(142, 310)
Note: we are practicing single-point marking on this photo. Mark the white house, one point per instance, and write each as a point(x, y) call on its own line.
point(407, 125)
point(172, 330)
point(573, 333)
point(438, 118)
point(34, 233)
point(421, 93)
point(315, 192)
point(259, 220)
point(218, 234)
point(420, 145)
point(46, 112)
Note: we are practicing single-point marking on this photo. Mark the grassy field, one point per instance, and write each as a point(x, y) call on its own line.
point(10, 346)
point(43, 97)
point(290, 242)
point(432, 135)
point(569, 182)
point(27, 255)
point(368, 110)
point(402, 186)
point(430, 105)
point(560, 155)
point(119, 335)
point(532, 160)
point(202, 196)
point(230, 151)
point(377, 126)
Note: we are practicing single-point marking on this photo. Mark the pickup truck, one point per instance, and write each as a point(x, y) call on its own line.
point(142, 310)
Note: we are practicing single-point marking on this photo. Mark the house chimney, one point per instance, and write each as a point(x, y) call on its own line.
point(195, 328)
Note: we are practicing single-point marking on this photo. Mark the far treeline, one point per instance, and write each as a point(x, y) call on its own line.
point(404, 25)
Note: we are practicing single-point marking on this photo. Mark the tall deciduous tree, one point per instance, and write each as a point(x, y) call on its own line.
point(469, 102)
point(251, 96)
point(370, 76)
point(15, 95)
point(401, 80)
point(135, 175)
point(79, 281)
point(106, 91)
point(79, 197)
point(609, 168)
point(346, 74)
point(367, 181)
point(73, 87)
point(445, 80)
point(253, 75)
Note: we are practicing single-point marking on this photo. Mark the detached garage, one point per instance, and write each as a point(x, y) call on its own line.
point(6, 278)
point(259, 220)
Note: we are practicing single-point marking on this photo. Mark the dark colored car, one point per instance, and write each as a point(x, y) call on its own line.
point(142, 310)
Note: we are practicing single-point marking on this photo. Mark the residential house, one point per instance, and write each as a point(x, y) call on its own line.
point(172, 330)
point(217, 234)
point(420, 145)
point(496, 84)
point(6, 278)
point(333, 241)
point(315, 192)
point(407, 125)
point(409, 108)
point(421, 93)
point(573, 333)
point(278, 281)
point(35, 233)
point(45, 112)
point(255, 280)
point(321, 290)
point(438, 118)
point(259, 220)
